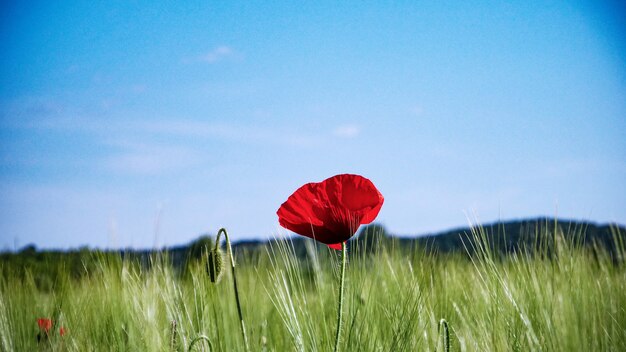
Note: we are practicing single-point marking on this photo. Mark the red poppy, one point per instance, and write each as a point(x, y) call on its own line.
point(45, 324)
point(62, 331)
point(331, 211)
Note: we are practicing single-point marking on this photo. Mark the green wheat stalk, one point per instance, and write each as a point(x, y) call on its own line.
point(443, 326)
point(200, 338)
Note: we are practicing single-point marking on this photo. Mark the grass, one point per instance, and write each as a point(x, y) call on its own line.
point(566, 299)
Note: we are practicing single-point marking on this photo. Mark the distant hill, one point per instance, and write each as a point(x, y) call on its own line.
point(505, 238)
point(529, 234)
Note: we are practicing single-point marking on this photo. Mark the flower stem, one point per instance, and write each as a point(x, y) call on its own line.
point(232, 266)
point(344, 255)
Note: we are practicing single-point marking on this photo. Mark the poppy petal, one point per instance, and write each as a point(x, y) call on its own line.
point(336, 246)
point(45, 324)
point(373, 213)
point(331, 211)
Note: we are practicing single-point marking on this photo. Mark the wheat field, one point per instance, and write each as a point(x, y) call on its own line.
point(568, 299)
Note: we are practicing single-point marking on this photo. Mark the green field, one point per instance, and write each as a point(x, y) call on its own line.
point(557, 297)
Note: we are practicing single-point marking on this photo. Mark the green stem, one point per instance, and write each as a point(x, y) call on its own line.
point(446, 334)
point(200, 338)
point(344, 256)
point(232, 266)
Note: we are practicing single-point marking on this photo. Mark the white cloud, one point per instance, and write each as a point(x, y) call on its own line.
point(347, 131)
point(237, 132)
point(29, 109)
point(150, 159)
point(138, 88)
point(139, 128)
point(417, 110)
point(218, 54)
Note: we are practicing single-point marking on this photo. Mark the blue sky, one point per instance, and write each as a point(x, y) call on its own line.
point(142, 123)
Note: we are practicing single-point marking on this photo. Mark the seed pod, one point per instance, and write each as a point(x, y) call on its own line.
point(214, 265)
point(173, 336)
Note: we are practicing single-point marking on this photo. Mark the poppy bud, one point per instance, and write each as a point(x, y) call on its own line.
point(214, 265)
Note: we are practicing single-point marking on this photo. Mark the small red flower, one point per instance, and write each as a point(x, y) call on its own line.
point(45, 324)
point(331, 211)
point(62, 331)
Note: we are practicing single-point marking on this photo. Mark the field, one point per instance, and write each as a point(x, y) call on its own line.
point(556, 297)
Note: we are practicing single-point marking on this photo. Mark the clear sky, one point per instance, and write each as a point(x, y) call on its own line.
point(132, 123)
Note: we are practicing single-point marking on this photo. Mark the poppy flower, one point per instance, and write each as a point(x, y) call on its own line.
point(331, 211)
point(45, 324)
point(62, 331)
